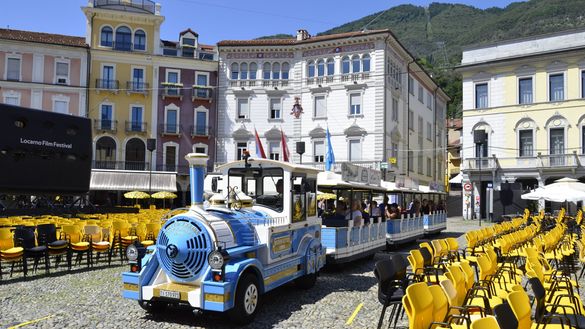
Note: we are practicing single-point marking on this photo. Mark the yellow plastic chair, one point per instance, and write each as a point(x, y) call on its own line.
point(485, 323)
point(9, 254)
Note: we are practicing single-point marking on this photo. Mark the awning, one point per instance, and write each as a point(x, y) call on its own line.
point(125, 180)
point(457, 179)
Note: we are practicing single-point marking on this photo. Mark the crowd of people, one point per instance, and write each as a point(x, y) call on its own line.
point(362, 212)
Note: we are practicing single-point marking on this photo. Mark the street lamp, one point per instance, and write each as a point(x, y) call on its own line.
point(151, 146)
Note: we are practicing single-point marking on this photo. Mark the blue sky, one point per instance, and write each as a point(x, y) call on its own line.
point(214, 20)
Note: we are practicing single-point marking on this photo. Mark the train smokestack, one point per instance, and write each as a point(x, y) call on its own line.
point(197, 169)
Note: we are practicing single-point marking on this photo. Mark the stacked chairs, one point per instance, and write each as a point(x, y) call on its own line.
point(9, 254)
point(56, 247)
point(99, 243)
point(79, 244)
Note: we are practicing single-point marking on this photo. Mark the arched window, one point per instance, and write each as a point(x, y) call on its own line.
point(355, 63)
point(123, 39)
point(235, 71)
point(330, 66)
point(285, 70)
point(106, 37)
point(135, 154)
point(276, 71)
point(253, 70)
point(345, 65)
point(266, 71)
point(105, 153)
point(311, 69)
point(139, 40)
point(366, 63)
point(244, 71)
point(320, 68)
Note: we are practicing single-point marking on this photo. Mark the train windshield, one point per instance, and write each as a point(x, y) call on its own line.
point(265, 185)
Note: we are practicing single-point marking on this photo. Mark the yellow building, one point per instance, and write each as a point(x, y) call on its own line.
point(124, 37)
point(523, 116)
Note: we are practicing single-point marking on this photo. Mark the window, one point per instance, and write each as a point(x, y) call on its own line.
point(172, 78)
point(320, 68)
point(106, 38)
point(394, 109)
point(311, 69)
point(62, 73)
point(13, 68)
point(345, 65)
point(429, 167)
point(439, 138)
point(243, 108)
point(481, 149)
point(202, 81)
point(525, 91)
point(410, 161)
point(61, 107)
point(200, 148)
point(355, 150)
point(410, 120)
point(206, 56)
point(276, 71)
point(274, 150)
point(12, 100)
point(366, 63)
point(429, 131)
point(330, 67)
point(138, 79)
point(319, 151)
point(557, 146)
point(266, 71)
point(169, 52)
point(108, 81)
point(411, 85)
point(243, 71)
point(583, 139)
point(526, 143)
point(355, 63)
point(420, 162)
point(394, 150)
point(420, 130)
point(188, 42)
point(355, 104)
point(170, 152)
point(136, 118)
point(201, 123)
point(139, 40)
point(556, 87)
point(235, 71)
point(123, 39)
point(106, 117)
point(105, 152)
point(430, 101)
point(481, 95)
point(188, 52)
point(285, 70)
point(240, 148)
point(253, 70)
point(275, 108)
point(421, 94)
point(172, 121)
point(320, 107)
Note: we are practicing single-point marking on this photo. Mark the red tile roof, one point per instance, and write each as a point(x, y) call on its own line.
point(55, 39)
point(293, 41)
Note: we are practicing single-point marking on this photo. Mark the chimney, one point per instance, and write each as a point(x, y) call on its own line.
point(302, 35)
point(197, 169)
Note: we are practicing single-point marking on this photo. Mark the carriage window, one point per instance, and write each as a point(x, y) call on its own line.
point(263, 184)
point(312, 197)
point(299, 199)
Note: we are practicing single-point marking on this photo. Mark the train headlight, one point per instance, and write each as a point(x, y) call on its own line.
point(132, 253)
point(215, 260)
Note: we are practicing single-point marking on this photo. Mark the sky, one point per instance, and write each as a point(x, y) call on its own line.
point(214, 20)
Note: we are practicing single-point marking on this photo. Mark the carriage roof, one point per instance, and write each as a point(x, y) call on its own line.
point(329, 179)
point(254, 162)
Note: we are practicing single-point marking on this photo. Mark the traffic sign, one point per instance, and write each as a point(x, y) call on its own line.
point(383, 165)
point(467, 186)
point(392, 160)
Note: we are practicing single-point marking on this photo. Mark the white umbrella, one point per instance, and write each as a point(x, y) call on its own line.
point(537, 194)
point(561, 193)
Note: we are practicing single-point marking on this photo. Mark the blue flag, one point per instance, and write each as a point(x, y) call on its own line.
point(329, 156)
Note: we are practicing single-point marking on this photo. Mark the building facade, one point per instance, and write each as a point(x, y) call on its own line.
point(523, 123)
point(43, 71)
point(380, 107)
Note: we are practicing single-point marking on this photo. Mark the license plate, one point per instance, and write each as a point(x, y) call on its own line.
point(170, 294)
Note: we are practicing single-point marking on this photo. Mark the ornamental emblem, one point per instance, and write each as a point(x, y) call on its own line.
point(297, 109)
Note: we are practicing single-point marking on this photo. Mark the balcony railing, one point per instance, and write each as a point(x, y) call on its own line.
point(337, 165)
point(135, 126)
point(200, 92)
point(550, 161)
point(138, 5)
point(181, 169)
point(201, 131)
point(138, 87)
point(481, 164)
point(558, 160)
point(105, 125)
point(172, 92)
point(274, 83)
point(106, 84)
point(122, 46)
point(121, 165)
point(170, 128)
point(243, 83)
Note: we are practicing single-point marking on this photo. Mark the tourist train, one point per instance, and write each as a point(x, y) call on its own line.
point(267, 223)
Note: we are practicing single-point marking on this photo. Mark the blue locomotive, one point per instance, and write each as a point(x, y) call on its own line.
point(260, 232)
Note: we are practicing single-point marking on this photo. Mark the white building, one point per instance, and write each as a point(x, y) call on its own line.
point(378, 104)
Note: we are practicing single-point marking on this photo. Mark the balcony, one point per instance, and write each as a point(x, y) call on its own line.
point(553, 161)
point(477, 164)
point(200, 131)
point(202, 93)
point(274, 83)
point(137, 87)
point(105, 125)
point(172, 92)
point(146, 6)
point(243, 83)
point(135, 126)
point(180, 169)
point(337, 166)
point(122, 46)
point(355, 76)
point(172, 129)
point(121, 165)
point(541, 162)
point(321, 80)
point(105, 84)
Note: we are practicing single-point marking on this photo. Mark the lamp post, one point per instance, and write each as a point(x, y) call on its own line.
point(151, 146)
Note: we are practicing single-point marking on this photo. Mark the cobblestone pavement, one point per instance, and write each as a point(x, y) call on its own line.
point(92, 299)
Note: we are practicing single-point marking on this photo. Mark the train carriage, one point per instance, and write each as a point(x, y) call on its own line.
point(261, 232)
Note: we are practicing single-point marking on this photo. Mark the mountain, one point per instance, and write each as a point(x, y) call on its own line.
point(437, 33)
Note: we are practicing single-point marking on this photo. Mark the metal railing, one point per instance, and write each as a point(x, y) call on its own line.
point(558, 160)
point(549, 161)
point(145, 5)
point(135, 126)
point(170, 92)
point(137, 87)
point(181, 169)
point(105, 125)
point(200, 92)
point(487, 163)
point(107, 84)
point(170, 128)
point(338, 164)
point(123, 46)
point(197, 130)
point(120, 165)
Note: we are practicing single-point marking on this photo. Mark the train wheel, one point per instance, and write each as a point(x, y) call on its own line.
point(152, 306)
point(246, 301)
point(306, 281)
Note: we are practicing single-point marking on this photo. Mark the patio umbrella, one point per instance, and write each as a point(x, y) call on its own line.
point(136, 195)
point(534, 195)
point(164, 195)
point(326, 196)
point(457, 179)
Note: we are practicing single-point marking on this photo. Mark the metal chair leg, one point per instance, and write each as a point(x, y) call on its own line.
point(382, 315)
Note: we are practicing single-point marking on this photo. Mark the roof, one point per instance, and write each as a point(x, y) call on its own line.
point(167, 43)
point(294, 41)
point(38, 37)
point(267, 162)
point(189, 30)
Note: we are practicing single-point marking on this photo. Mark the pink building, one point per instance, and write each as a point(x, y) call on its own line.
point(43, 71)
